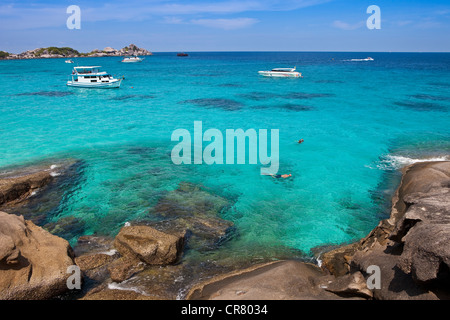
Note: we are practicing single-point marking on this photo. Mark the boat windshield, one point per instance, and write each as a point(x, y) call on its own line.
point(87, 70)
point(283, 69)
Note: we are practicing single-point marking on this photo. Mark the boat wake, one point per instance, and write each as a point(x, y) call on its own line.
point(392, 162)
point(366, 59)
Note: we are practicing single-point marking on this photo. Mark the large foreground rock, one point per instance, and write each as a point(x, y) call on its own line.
point(282, 280)
point(143, 245)
point(33, 263)
point(195, 208)
point(149, 245)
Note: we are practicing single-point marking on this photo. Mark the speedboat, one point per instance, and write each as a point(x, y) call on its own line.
point(132, 59)
point(366, 59)
point(182, 54)
point(69, 61)
point(281, 72)
point(92, 77)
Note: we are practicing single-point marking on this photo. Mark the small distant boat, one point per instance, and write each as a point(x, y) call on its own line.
point(182, 54)
point(132, 59)
point(92, 77)
point(366, 59)
point(282, 73)
point(69, 61)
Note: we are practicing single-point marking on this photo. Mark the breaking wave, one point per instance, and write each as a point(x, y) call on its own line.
point(390, 162)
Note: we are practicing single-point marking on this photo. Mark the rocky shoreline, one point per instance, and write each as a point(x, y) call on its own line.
point(66, 52)
point(410, 249)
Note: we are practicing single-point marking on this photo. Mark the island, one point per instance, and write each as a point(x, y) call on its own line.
point(67, 52)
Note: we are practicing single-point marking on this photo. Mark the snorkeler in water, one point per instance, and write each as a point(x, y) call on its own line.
point(277, 176)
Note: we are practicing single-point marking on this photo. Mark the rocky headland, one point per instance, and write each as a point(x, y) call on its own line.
point(66, 52)
point(410, 248)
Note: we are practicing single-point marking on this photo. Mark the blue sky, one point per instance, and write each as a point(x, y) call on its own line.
point(228, 25)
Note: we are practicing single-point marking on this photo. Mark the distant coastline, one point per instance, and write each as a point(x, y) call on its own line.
point(67, 52)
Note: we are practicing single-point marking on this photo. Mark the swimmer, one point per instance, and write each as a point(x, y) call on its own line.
point(277, 176)
point(300, 141)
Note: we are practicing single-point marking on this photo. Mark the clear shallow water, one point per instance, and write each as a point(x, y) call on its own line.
point(360, 121)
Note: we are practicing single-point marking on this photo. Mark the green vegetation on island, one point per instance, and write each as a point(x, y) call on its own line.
point(3, 54)
point(63, 51)
point(67, 52)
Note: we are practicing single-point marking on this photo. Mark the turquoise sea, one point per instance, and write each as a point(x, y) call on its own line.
point(360, 122)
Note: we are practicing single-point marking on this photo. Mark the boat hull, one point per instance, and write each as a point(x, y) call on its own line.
point(100, 85)
point(280, 74)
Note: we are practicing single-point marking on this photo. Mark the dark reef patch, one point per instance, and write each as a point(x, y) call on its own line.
point(294, 107)
point(68, 227)
point(145, 152)
point(304, 95)
point(47, 93)
point(225, 104)
point(133, 96)
point(429, 97)
point(440, 84)
point(329, 81)
point(120, 98)
point(230, 85)
point(258, 96)
point(420, 105)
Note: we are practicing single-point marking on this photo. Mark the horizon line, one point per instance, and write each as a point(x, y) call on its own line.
point(333, 51)
point(267, 51)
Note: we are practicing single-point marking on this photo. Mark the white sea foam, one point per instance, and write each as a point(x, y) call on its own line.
point(53, 166)
point(319, 262)
point(397, 162)
point(181, 294)
point(110, 252)
point(55, 174)
point(121, 286)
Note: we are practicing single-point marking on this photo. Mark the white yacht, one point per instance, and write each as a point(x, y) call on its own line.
point(92, 77)
point(69, 61)
point(132, 59)
point(281, 72)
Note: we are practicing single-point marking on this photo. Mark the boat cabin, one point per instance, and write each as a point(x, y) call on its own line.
point(90, 74)
point(283, 70)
